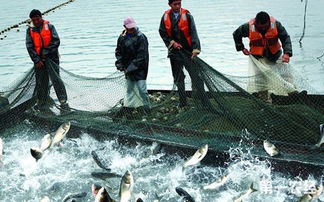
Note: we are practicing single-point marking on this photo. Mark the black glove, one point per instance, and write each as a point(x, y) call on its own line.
point(121, 69)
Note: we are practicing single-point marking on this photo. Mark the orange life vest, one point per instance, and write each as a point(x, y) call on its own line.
point(183, 24)
point(258, 42)
point(42, 39)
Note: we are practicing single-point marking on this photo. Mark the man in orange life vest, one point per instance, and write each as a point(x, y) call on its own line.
point(178, 31)
point(263, 32)
point(42, 42)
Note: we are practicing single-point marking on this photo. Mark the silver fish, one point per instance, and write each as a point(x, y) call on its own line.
point(312, 194)
point(73, 196)
point(126, 187)
point(306, 198)
point(46, 142)
point(99, 162)
point(36, 153)
point(218, 183)
point(321, 141)
point(153, 150)
point(1, 151)
point(104, 175)
point(45, 199)
point(197, 157)
point(103, 196)
point(318, 191)
point(95, 189)
point(270, 148)
point(1, 147)
point(186, 196)
point(249, 191)
point(61, 133)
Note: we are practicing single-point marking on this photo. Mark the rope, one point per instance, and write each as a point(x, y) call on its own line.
point(28, 21)
point(302, 36)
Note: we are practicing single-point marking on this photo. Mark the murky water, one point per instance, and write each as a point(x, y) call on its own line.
point(89, 31)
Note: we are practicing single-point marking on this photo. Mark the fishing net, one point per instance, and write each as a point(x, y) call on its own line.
point(223, 114)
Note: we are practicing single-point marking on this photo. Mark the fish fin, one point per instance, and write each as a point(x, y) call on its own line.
point(252, 188)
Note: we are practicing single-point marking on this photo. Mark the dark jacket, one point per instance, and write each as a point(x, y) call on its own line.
point(178, 36)
point(243, 31)
point(51, 51)
point(132, 55)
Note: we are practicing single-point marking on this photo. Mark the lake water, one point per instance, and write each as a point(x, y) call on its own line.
point(89, 32)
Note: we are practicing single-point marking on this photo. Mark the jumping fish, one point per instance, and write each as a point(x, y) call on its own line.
point(98, 161)
point(218, 183)
point(103, 196)
point(321, 141)
point(184, 194)
point(270, 148)
point(154, 149)
point(46, 142)
point(197, 157)
point(157, 198)
point(1, 151)
point(318, 191)
point(126, 187)
point(1, 147)
point(306, 198)
point(251, 190)
point(104, 175)
point(95, 189)
point(73, 196)
point(36, 153)
point(45, 199)
point(61, 133)
point(312, 195)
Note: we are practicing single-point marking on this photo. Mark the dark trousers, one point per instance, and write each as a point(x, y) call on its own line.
point(198, 90)
point(42, 89)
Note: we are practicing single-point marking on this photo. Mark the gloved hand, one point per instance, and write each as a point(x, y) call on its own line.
point(194, 55)
point(285, 58)
point(43, 56)
point(39, 64)
point(246, 51)
point(121, 69)
point(176, 45)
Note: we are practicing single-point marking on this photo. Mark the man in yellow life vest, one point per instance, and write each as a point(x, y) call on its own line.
point(267, 38)
point(42, 43)
point(178, 32)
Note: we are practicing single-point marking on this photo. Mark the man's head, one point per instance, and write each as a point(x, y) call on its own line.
point(262, 22)
point(175, 5)
point(130, 24)
point(36, 17)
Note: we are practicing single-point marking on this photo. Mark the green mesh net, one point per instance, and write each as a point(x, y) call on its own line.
point(223, 116)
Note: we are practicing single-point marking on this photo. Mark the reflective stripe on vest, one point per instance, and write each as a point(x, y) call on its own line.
point(183, 24)
point(270, 40)
point(42, 39)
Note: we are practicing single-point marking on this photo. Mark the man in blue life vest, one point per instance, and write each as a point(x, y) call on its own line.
point(42, 42)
